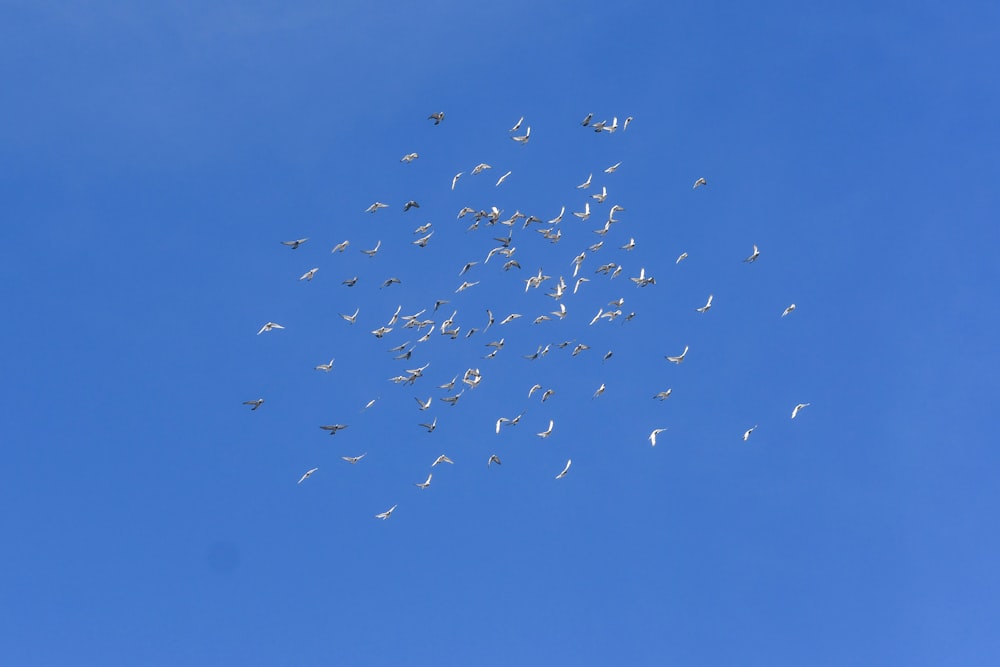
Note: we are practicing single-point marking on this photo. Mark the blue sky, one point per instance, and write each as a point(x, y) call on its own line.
point(152, 159)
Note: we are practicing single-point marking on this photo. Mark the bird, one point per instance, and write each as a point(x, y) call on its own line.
point(753, 257)
point(350, 282)
point(586, 183)
point(579, 348)
point(501, 422)
point(354, 459)
point(388, 513)
point(558, 218)
point(788, 310)
point(707, 306)
point(376, 206)
point(381, 331)
point(586, 212)
point(517, 125)
point(652, 436)
point(430, 427)
point(746, 434)
point(465, 285)
point(480, 168)
point(308, 275)
point(681, 257)
point(369, 404)
point(333, 428)
point(270, 326)
point(502, 178)
point(523, 139)
point(410, 204)
point(546, 394)
point(600, 390)
point(307, 474)
point(426, 483)
point(466, 268)
point(325, 367)
point(373, 251)
point(628, 246)
point(663, 395)
point(586, 121)
point(797, 408)
point(437, 117)
point(351, 318)
point(294, 244)
point(601, 197)
point(424, 404)
point(534, 388)
point(547, 432)
point(422, 241)
point(565, 470)
point(612, 168)
point(625, 124)
point(409, 157)
point(256, 403)
point(510, 318)
point(680, 357)
point(341, 247)
point(455, 179)
point(493, 459)
point(700, 182)
point(441, 459)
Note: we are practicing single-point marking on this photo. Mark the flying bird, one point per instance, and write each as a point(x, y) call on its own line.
point(441, 459)
point(437, 117)
point(410, 204)
point(325, 367)
point(753, 257)
point(430, 427)
point(523, 139)
point(376, 206)
point(600, 390)
point(547, 432)
point(351, 318)
point(517, 125)
point(455, 179)
point(424, 404)
point(586, 183)
point(333, 428)
point(612, 168)
point(788, 310)
point(707, 306)
point(388, 513)
point(426, 483)
point(350, 282)
point(586, 121)
point(680, 357)
point(795, 410)
point(746, 433)
point(308, 275)
point(409, 157)
point(664, 395)
point(354, 459)
point(652, 436)
point(373, 251)
point(255, 403)
point(681, 257)
point(270, 326)
point(493, 459)
point(503, 178)
point(700, 182)
point(294, 244)
point(341, 247)
point(565, 470)
point(307, 475)
point(625, 124)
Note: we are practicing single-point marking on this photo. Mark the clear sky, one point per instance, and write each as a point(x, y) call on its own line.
point(154, 155)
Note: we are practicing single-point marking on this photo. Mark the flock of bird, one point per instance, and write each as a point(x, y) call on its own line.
point(424, 323)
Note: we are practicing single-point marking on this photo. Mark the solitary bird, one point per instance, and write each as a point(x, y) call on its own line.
point(427, 483)
point(680, 357)
point(325, 367)
point(652, 436)
point(294, 244)
point(409, 157)
point(493, 459)
point(307, 475)
point(436, 117)
point(753, 257)
point(664, 395)
point(746, 433)
point(376, 206)
point(795, 411)
point(255, 403)
point(700, 182)
point(270, 326)
point(705, 308)
point(388, 513)
point(455, 179)
point(565, 470)
point(333, 428)
point(788, 310)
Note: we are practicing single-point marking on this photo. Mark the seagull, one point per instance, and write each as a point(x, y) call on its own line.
point(547, 432)
point(533, 389)
point(350, 282)
point(410, 204)
point(308, 275)
point(612, 168)
point(325, 367)
point(354, 459)
point(681, 257)
point(381, 331)
point(788, 310)
point(441, 459)
point(664, 395)
point(705, 308)
point(373, 251)
point(652, 436)
point(480, 168)
point(455, 179)
point(517, 125)
point(333, 428)
point(270, 326)
point(565, 470)
point(255, 403)
point(523, 139)
point(625, 125)
point(424, 404)
point(422, 241)
point(579, 348)
point(388, 513)
point(500, 422)
point(700, 182)
point(754, 256)
point(294, 244)
point(746, 434)
point(546, 394)
point(586, 121)
point(600, 390)
point(493, 459)
point(437, 117)
point(585, 184)
point(307, 475)
point(558, 218)
point(427, 483)
point(601, 197)
point(586, 212)
point(341, 247)
point(466, 285)
point(351, 318)
point(502, 178)
point(795, 411)
point(376, 206)
point(369, 404)
point(679, 358)
point(628, 246)
point(452, 400)
point(430, 427)
point(409, 157)
point(466, 268)
point(510, 318)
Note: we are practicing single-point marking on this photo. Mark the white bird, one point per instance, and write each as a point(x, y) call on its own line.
point(376, 206)
point(546, 394)
point(426, 483)
point(354, 459)
point(600, 311)
point(502, 178)
point(523, 139)
point(409, 157)
point(681, 257)
point(586, 212)
point(307, 475)
point(547, 432)
point(308, 275)
point(652, 436)
point(600, 390)
point(707, 306)
point(601, 197)
point(351, 318)
point(510, 318)
point(373, 251)
point(493, 459)
point(533, 389)
point(629, 246)
point(466, 285)
point(369, 404)
point(270, 326)
point(325, 367)
point(455, 179)
point(565, 470)
point(294, 244)
point(586, 121)
point(501, 422)
point(680, 357)
point(627, 121)
point(558, 218)
point(700, 182)
point(746, 434)
point(424, 404)
point(430, 427)
point(256, 403)
point(517, 125)
point(586, 183)
point(388, 513)
point(788, 310)
point(753, 257)
point(441, 459)
point(664, 395)
point(422, 241)
point(480, 168)
point(612, 168)
point(341, 247)
point(795, 411)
